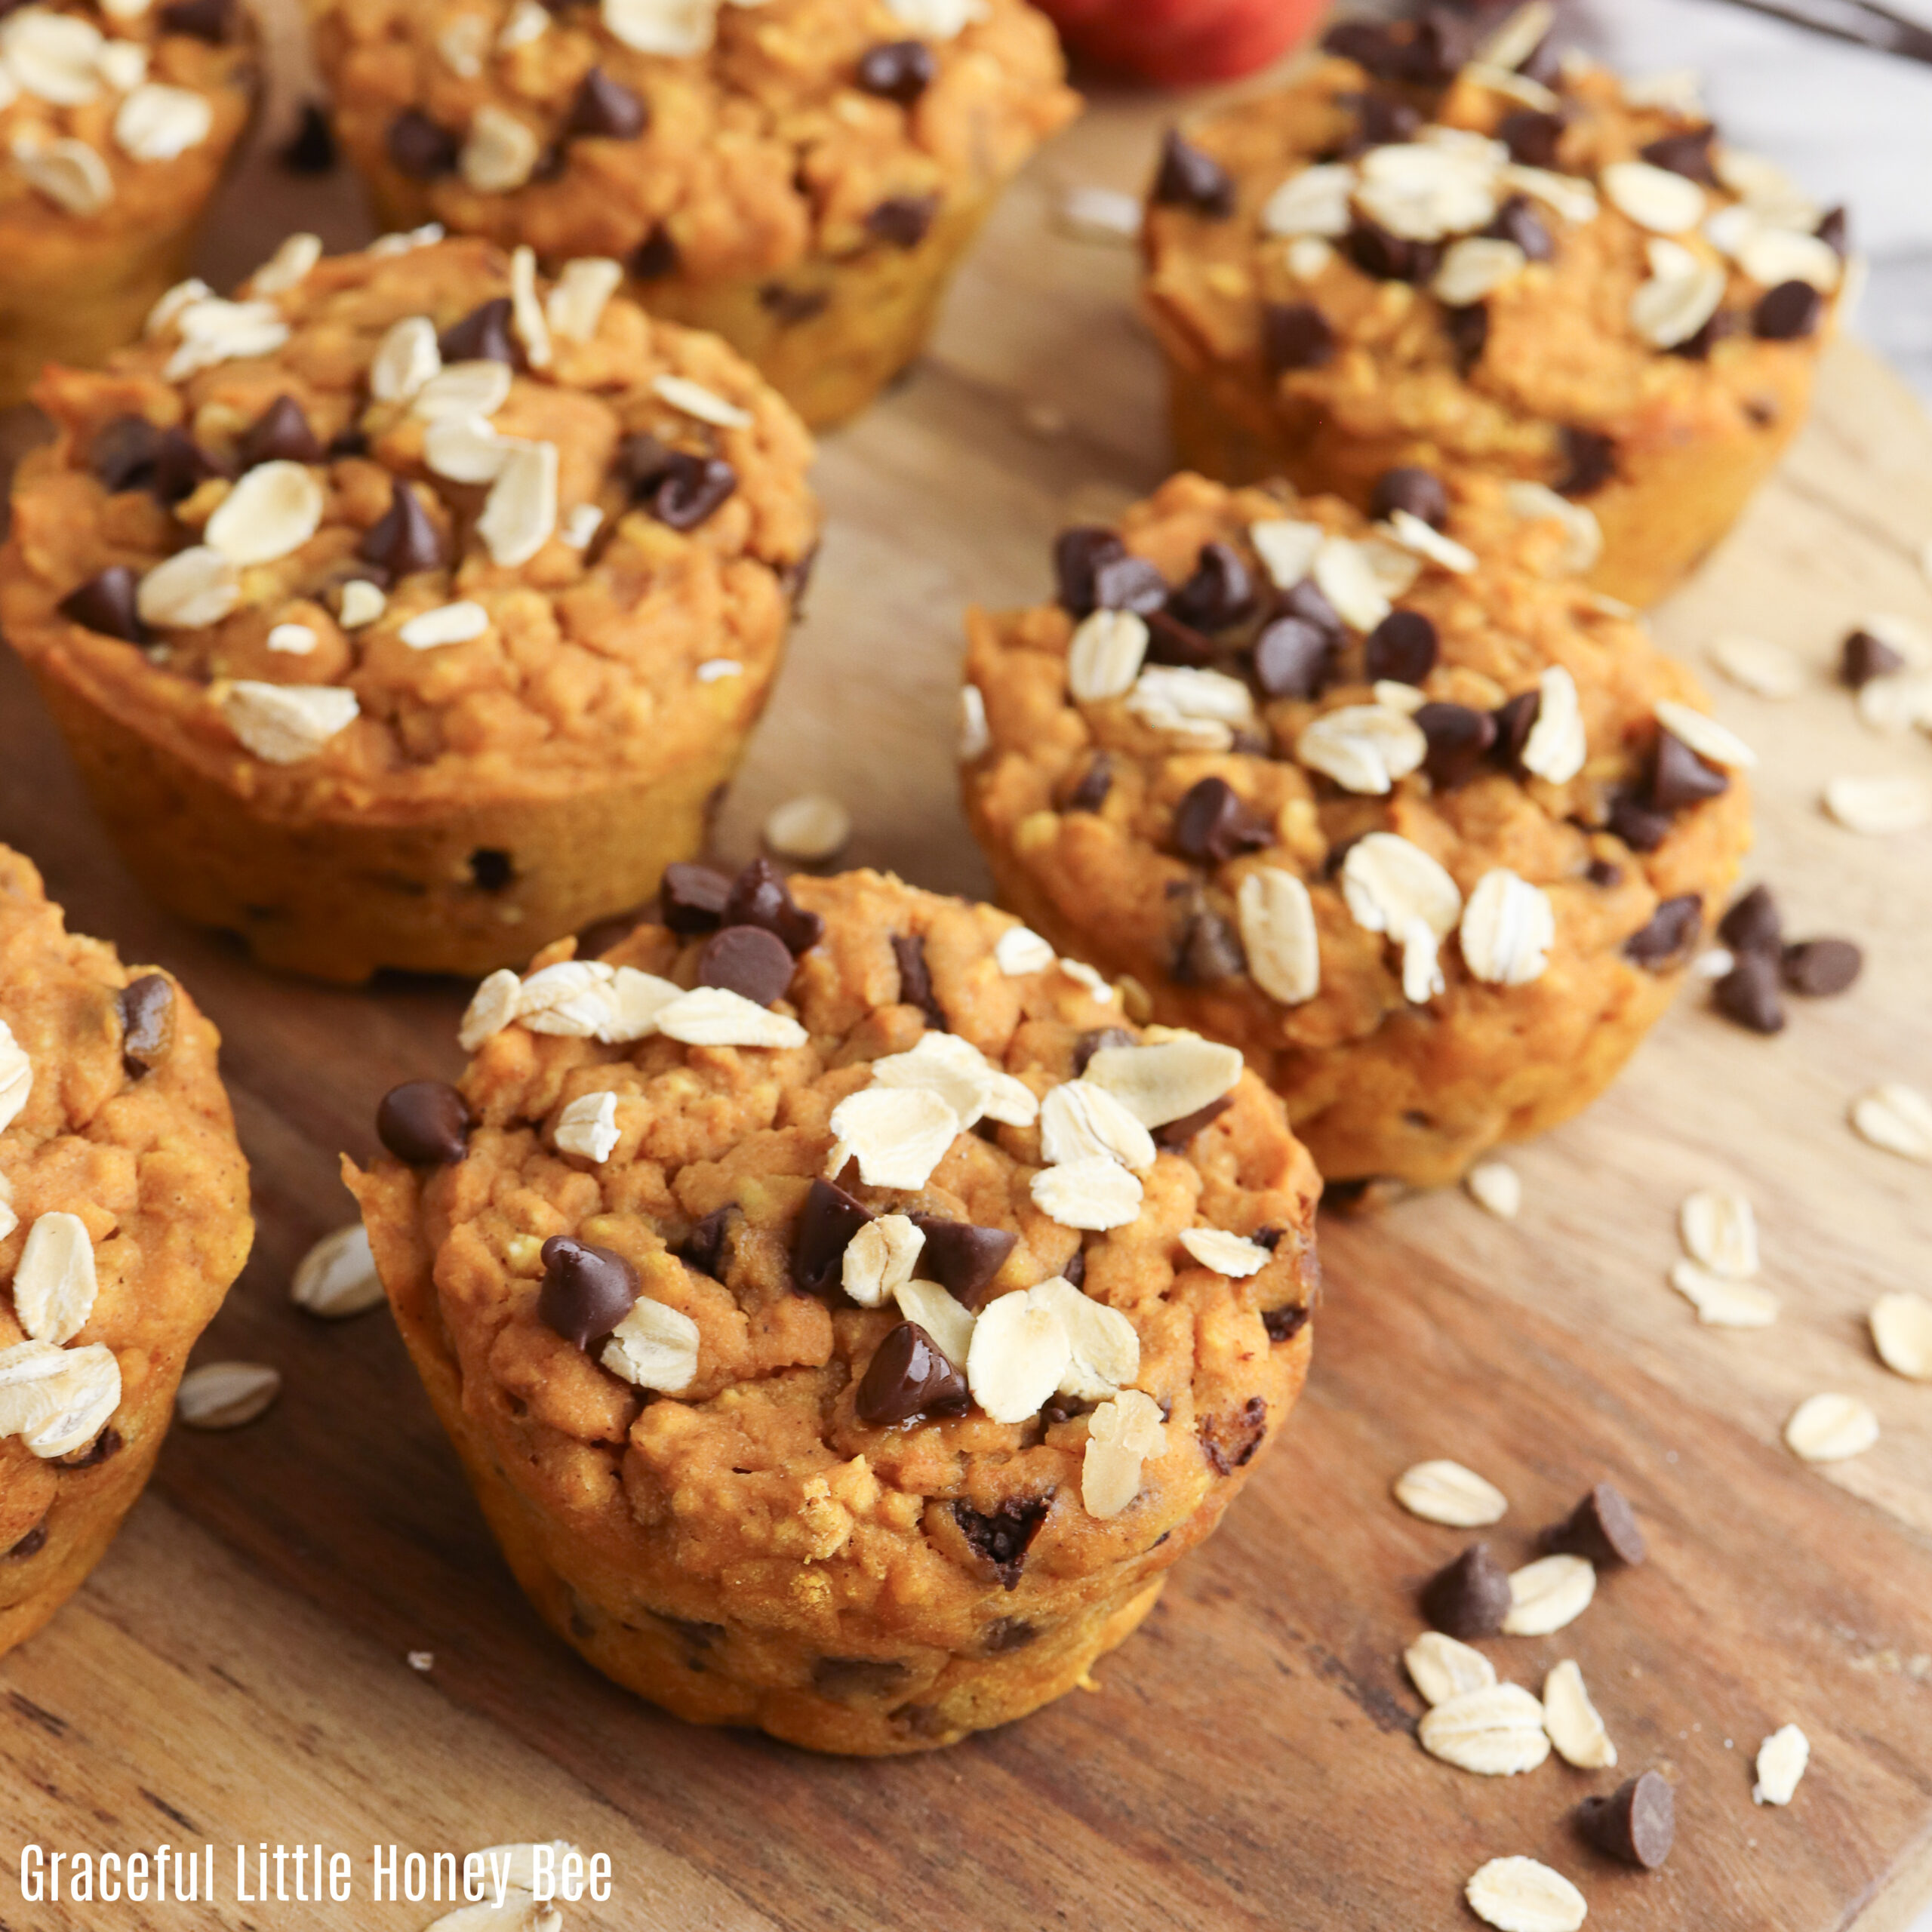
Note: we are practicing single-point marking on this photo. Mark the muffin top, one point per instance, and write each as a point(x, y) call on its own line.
point(1519, 258)
point(123, 1200)
point(842, 1224)
point(1326, 771)
point(412, 523)
point(717, 137)
point(117, 115)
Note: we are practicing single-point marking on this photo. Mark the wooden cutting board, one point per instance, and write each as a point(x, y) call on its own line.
point(235, 1671)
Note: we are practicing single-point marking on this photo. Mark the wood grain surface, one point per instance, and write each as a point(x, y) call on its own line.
point(235, 1670)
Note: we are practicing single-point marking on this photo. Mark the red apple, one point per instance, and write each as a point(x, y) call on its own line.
point(1182, 43)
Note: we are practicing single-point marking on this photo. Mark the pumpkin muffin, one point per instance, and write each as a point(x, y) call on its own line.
point(124, 1217)
point(1498, 261)
point(117, 122)
point(409, 610)
point(800, 176)
point(844, 1316)
point(1423, 826)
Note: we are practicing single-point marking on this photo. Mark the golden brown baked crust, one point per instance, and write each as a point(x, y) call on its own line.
point(123, 1124)
point(604, 519)
point(747, 1549)
point(1632, 363)
point(1378, 1080)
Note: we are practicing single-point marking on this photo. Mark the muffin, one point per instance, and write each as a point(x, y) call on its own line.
point(1504, 263)
point(844, 1317)
point(118, 120)
point(410, 610)
point(124, 1217)
point(800, 176)
point(1423, 826)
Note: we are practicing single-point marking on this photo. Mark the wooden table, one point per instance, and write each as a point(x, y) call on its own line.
point(235, 1671)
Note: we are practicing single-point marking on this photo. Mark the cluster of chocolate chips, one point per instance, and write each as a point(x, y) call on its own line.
point(756, 930)
point(1765, 965)
point(679, 487)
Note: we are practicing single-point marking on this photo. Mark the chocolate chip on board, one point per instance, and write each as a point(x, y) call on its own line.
point(147, 1023)
point(899, 70)
point(1409, 486)
point(1679, 777)
point(481, 336)
point(826, 1223)
point(1295, 335)
point(1003, 1536)
point(691, 898)
point(915, 979)
point(1753, 924)
point(747, 960)
point(1636, 1825)
point(1219, 592)
point(1188, 178)
point(1788, 312)
point(759, 897)
point(402, 539)
point(1402, 648)
point(1751, 992)
point(1469, 1598)
point(419, 148)
point(1603, 1527)
point(1865, 657)
point(1459, 737)
point(587, 1290)
point(281, 434)
point(1212, 824)
point(1666, 937)
point(908, 1377)
point(606, 108)
point(1819, 967)
point(902, 221)
point(704, 1247)
point(425, 1123)
point(964, 1258)
point(106, 603)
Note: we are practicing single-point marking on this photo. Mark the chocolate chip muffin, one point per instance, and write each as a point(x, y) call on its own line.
point(411, 609)
point(1424, 827)
point(800, 176)
point(117, 122)
point(845, 1315)
point(1423, 252)
point(124, 1217)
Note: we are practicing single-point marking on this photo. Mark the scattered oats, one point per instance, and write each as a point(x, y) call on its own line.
point(462, 45)
point(1710, 740)
point(949, 1321)
point(54, 1284)
point(1168, 1079)
point(1364, 748)
point(1548, 1594)
point(1575, 1727)
point(1768, 669)
point(1474, 267)
point(528, 20)
point(1495, 1731)
point(1441, 1491)
point(520, 516)
point(473, 389)
point(68, 173)
point(1879, 804)
point(1096, 1193)
point(1315, 201)
point(1901, 1333)
point(1078, 970)
point(1830, 1428)
point(1515, 37)
point(711, 1016)
point(285, 724)
point(1507, 930)
point(963, 1077)
point(898, 1135)
point(1121, 1434)
point(577, 300)
point(1719, 1229)
point(1427, 190)
point(1098, 214)
point(589, 1127)
point(465, 449)
point(420, 1660)
point(1104, 1346)
point(1288, 549)
point(293, 640)
point(226, 1394)
point(405, 359)
point(157, 123)
point(1584, 535)
point(16, 1081)
point(1019, 1351)
point(1681, 296)
point(1344, 575)
point(1522, 1895)
point(1782, 1758)
point(1020, 950)
point(1497, 1187)
point(269, 514)
point(1393, 569)
point(1654, 198)
point(53, 56)
point(1897, 1118)
point(1556, 747)
point(975, 738)
point(1897, 701)
point(183, 296)
point(1200, 708)
point(1105, 656)
point(527, 311)
point(214, 331)
point(1232, 1255)
point(1080, 1121)
point(1771, 255)
point(696, 400)
point(1278, 933)
point(1569, 198)
point(636, 999)
point(583, 522)
point(714, 670)
point(1424, 541)
point(1308, 256)
point(680, 29)
point(809, 829)
point(445, 624)
point(57, 1400)
point(878, 1259)
point(337, 1277)
point(1713, 963)
point(655, 1346)
point(1391, 886)
point(1441, 1668)
point(1720, 1302)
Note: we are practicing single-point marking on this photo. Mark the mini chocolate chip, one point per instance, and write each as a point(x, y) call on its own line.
point(1402, 648)
point(915, 979)
point(1129, 583)
point(1640, 828)
point(1636, 1825)
point(1077, 554)
point(1750, 993)
point(704, 1247)
point(1171, 642)
point(680, 487)
point(1589, 461)
point(1459, 738)
point(1003, 1536)
point(908, 1377)
point(349, 441)
point(1074, 1270)
point(1381, 120)
point(1293, 658)
point(281, 434)
point(1368, 45)
point(792, 306)
point(1389, 257)
point(1470, 1597)
point(1207, 950)
point(1440, 44)
point(147, 1023)
point(655, 257)
point(1819, 967)
point(103, 1448)
point(419, 148)
point(1785, 313)
point(748, 961)
point(902, 221)
point(826, 1223)
point(1095, 782)
point(1753, 924)
point(1530, 137)
point(691, 899)
point(1688, 153)
point(1306, 601)
point(1865, 657)
point(1408, 487)
point(1096, 1041)
point(847, 1678)
point(123, 453)
point(1679, 777)
point(1188, 178)
point(1220, 591)
point(899, 70)
point(1517, 220)
point(587, 1290)
point(425, 1123)
point(606, 108)
point(1514, 720)
point(964, 1258)
point(1604, 872)
point(1284, 1324)
point(1294, 335)
point(1669, 933)
point(491, 869)
point(1229, 1440)
point(32, 1544)
point(311, 150)
point(1007, 1633)
point(402, 539)
point(759, 897)
point(181, 465)
point(1603, 1527)
point(482, 336)
point(1697, 348)
point(106, 603)
point(1211, 823)
point(1468, 329)
point(794, 578)
point(1834, 232)
point(1544, 62)
point(210, 20)
point(1178, 1136)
